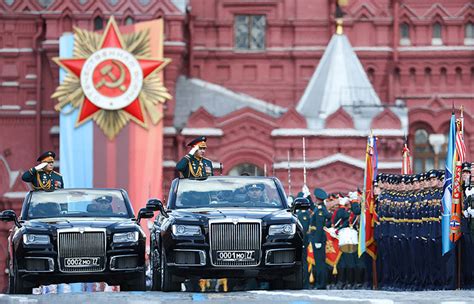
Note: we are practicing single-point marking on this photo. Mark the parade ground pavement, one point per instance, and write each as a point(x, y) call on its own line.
point(257, 296)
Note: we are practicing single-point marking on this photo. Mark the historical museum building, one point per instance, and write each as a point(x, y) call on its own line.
point(258, 76)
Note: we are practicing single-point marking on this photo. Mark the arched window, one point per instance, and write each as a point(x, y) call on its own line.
point(404, 34)
point(436, 38)
point(246, 169)
point(424, 154)
point(469, 34)
point(129, 20)
point(98, 23)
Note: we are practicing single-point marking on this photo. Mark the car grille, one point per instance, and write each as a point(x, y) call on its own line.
point(82, 245)
point(237, 237)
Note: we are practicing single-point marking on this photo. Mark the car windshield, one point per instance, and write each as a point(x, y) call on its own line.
point(77, 203)
point(228, 192)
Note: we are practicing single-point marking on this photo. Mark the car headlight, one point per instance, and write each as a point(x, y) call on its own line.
point(125, 237)
point(284, 229)
point(36, 239)
point(186, 230)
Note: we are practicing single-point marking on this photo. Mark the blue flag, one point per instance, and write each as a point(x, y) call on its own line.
point(447, 245)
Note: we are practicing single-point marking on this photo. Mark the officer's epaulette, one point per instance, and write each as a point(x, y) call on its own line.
point(207, 159)
point(57, 173)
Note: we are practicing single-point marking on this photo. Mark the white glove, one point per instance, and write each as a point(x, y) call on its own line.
point(469, 191)
point(41, 166)
point(193, 150)
point(468, 212)
point(305, 191)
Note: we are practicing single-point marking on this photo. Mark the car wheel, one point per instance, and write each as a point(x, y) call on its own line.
point(18, 283)
point(135, 283)
point(167, 283)
point(155, 270)
point(297, 281)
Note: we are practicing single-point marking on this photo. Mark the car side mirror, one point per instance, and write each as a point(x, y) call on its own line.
point(144, 213)
point(301, 203)
point(154, 204)
point(9, 216)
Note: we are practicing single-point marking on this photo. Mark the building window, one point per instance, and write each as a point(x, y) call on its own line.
point(246, 169)
point(436, 34)
point(404, 34)
point(98, 23)
point(469, 34)
point(424, 155)
point(129, 21)
point(249, 32)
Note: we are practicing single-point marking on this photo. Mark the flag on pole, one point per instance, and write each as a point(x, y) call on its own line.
point(459, 156)
point(311, 261)
point(368, 215)
point(447, 244)
point(406, 160)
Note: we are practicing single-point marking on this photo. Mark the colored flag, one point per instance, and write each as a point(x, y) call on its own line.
point(368, 215)
point(406, 160)
point(333, 252)
point(447, 244)
point(459, 156)
point(311, 262)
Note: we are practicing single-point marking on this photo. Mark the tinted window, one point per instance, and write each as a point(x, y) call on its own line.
point(77, 203)
point(217, 193)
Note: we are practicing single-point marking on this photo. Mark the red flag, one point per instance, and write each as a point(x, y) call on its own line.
point(333, 253)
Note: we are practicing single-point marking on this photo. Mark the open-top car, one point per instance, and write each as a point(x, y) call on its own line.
point(227, 227)
point(76, 235)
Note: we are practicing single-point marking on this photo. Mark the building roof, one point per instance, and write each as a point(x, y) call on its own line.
point(192, 93)
point(339, 80)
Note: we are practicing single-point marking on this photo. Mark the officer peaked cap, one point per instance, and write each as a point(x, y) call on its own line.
point(255, 186)
point(320, 194)
point(46, 155)
point(198, 140)
point(466, 166)
point(104, 198)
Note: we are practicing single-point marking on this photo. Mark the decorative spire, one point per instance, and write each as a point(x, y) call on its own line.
point(339, 29)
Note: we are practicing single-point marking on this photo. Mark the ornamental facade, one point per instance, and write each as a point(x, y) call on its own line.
point(239, 71)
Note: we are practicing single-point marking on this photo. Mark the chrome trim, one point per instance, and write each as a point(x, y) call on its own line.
point(50, 264)
point(112, 260)
point(279, 249)
point(202, 258)
point(81, 230)
point(236, 221)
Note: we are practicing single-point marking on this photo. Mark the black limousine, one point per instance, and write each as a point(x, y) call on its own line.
point(227, 227)
point(76, 235)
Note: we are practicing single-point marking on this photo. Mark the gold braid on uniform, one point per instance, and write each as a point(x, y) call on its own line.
point(42, 186)
point(198, 172)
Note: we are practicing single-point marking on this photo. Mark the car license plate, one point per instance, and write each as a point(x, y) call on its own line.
point(81, 262)
point(236, 256)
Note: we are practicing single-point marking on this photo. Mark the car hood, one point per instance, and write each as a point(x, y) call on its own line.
point(63, 223)
point(205, 214)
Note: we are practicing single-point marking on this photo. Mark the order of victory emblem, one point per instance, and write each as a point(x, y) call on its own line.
point(112, 79)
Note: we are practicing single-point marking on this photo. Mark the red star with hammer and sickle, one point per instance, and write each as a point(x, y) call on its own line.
point(111, 39)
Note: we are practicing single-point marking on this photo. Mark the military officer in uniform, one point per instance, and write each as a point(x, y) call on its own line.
point(317, 236)
point(304, 217)
point(194, 164)
point(42, 176)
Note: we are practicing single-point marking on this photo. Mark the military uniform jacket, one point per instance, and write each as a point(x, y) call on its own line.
point(42, 180)
point(190, 166)
point(318, 221)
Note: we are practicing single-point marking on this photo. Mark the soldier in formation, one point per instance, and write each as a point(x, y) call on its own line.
point(408, 232)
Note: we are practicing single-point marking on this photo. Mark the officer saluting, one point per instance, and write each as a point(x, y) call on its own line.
point(194, 164)
point(43, 177)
